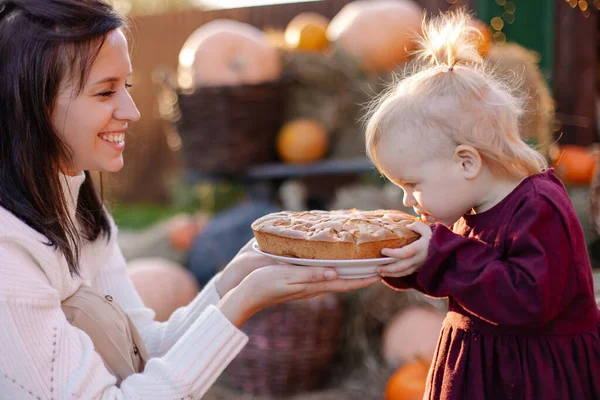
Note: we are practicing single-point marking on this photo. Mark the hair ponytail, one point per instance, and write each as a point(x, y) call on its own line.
point(448, 41)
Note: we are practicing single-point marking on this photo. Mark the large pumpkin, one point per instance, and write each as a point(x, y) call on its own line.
point(380, 33)
point(574, 164)
point(408, 382)
point(227, 52)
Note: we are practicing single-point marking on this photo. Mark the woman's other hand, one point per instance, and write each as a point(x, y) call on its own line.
point(244, 262)
point(276, 284)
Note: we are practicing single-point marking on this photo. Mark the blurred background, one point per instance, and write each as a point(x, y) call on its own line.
point(253, 106)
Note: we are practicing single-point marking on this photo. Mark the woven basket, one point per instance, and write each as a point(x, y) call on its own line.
point(290, 349)
point(225, 129)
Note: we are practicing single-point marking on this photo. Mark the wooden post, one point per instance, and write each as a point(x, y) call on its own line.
point(575, 69)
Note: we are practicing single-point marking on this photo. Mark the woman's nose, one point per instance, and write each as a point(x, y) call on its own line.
point(127, 110)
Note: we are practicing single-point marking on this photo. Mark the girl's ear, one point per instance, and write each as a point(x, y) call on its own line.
point(469, 160)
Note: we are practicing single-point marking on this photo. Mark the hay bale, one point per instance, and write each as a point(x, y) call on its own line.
point(321, 86)
point(519, 67)
point(331, 88)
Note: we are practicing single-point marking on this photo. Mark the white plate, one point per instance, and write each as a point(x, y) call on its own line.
point(346, 269)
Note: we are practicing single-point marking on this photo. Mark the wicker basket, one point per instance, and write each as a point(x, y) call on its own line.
point(225, 129)
point(290, 349)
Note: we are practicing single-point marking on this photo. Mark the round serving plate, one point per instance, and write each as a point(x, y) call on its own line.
point(346, 269)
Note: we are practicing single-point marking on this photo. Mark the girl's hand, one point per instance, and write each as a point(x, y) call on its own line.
point(410, 257)
point(276, 284)
point(245, 261)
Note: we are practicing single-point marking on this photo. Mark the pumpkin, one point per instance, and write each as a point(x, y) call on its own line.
point(484, 38)
point(379, 33)
point(408, 382)
point(574, 164)
point(307, 31)
point(183, 229)
point(163, 285)
point(411, 334)
point(302, 141)
point(227, 53)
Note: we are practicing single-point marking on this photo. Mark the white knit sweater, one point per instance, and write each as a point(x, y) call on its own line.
point(43, 357)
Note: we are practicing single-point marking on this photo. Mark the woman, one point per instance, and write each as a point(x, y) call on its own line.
point(71, 323)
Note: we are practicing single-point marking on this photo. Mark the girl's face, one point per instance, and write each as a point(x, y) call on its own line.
point(434, 182)
point(93, 122)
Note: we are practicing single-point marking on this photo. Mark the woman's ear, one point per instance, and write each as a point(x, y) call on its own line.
point(469, 160)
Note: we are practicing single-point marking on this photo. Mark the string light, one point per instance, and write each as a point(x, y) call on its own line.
point(584, 6)
point(508, 16)
point(454, 4)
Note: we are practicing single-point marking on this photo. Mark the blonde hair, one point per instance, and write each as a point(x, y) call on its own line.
point(450, 97)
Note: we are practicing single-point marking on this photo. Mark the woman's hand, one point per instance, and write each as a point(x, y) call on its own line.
point(276, 284)
point(244, 262)
point(411, 257)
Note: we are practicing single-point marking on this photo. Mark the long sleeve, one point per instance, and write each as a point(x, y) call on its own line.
point(44, 357)
point(521, 282)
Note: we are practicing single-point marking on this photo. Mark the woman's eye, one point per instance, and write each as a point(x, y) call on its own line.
point(107, 94)
point(128, 85)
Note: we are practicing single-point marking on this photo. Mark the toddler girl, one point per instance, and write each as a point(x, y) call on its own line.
point(500, 237)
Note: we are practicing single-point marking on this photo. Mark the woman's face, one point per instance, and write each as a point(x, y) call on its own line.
point(93, 123)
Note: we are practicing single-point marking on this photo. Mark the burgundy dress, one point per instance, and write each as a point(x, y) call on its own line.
point(522, 320)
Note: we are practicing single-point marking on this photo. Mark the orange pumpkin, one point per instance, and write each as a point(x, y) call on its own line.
point(411, 334)
point(408, 382)
point(484, 39)
point(162, 285)
point(302, 141)
point(227, 52)
point(307, 31)
point(379, 33)
point(574, 164)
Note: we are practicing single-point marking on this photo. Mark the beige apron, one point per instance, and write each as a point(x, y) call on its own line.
point(114, 335)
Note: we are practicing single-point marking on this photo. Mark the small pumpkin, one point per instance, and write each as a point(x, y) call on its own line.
point(183, 229)
point(408, 382)
point(307, 31)
point(574, 164)
point(302, 141)
point(226, 53)
point(379, 33)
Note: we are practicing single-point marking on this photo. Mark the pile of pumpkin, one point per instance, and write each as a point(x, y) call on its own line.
point(357, 50)
point(376, 35)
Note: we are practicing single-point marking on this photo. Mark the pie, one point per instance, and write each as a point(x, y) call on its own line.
point(333, 235)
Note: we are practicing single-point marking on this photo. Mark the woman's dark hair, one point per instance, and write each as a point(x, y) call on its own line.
point(42, 44)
